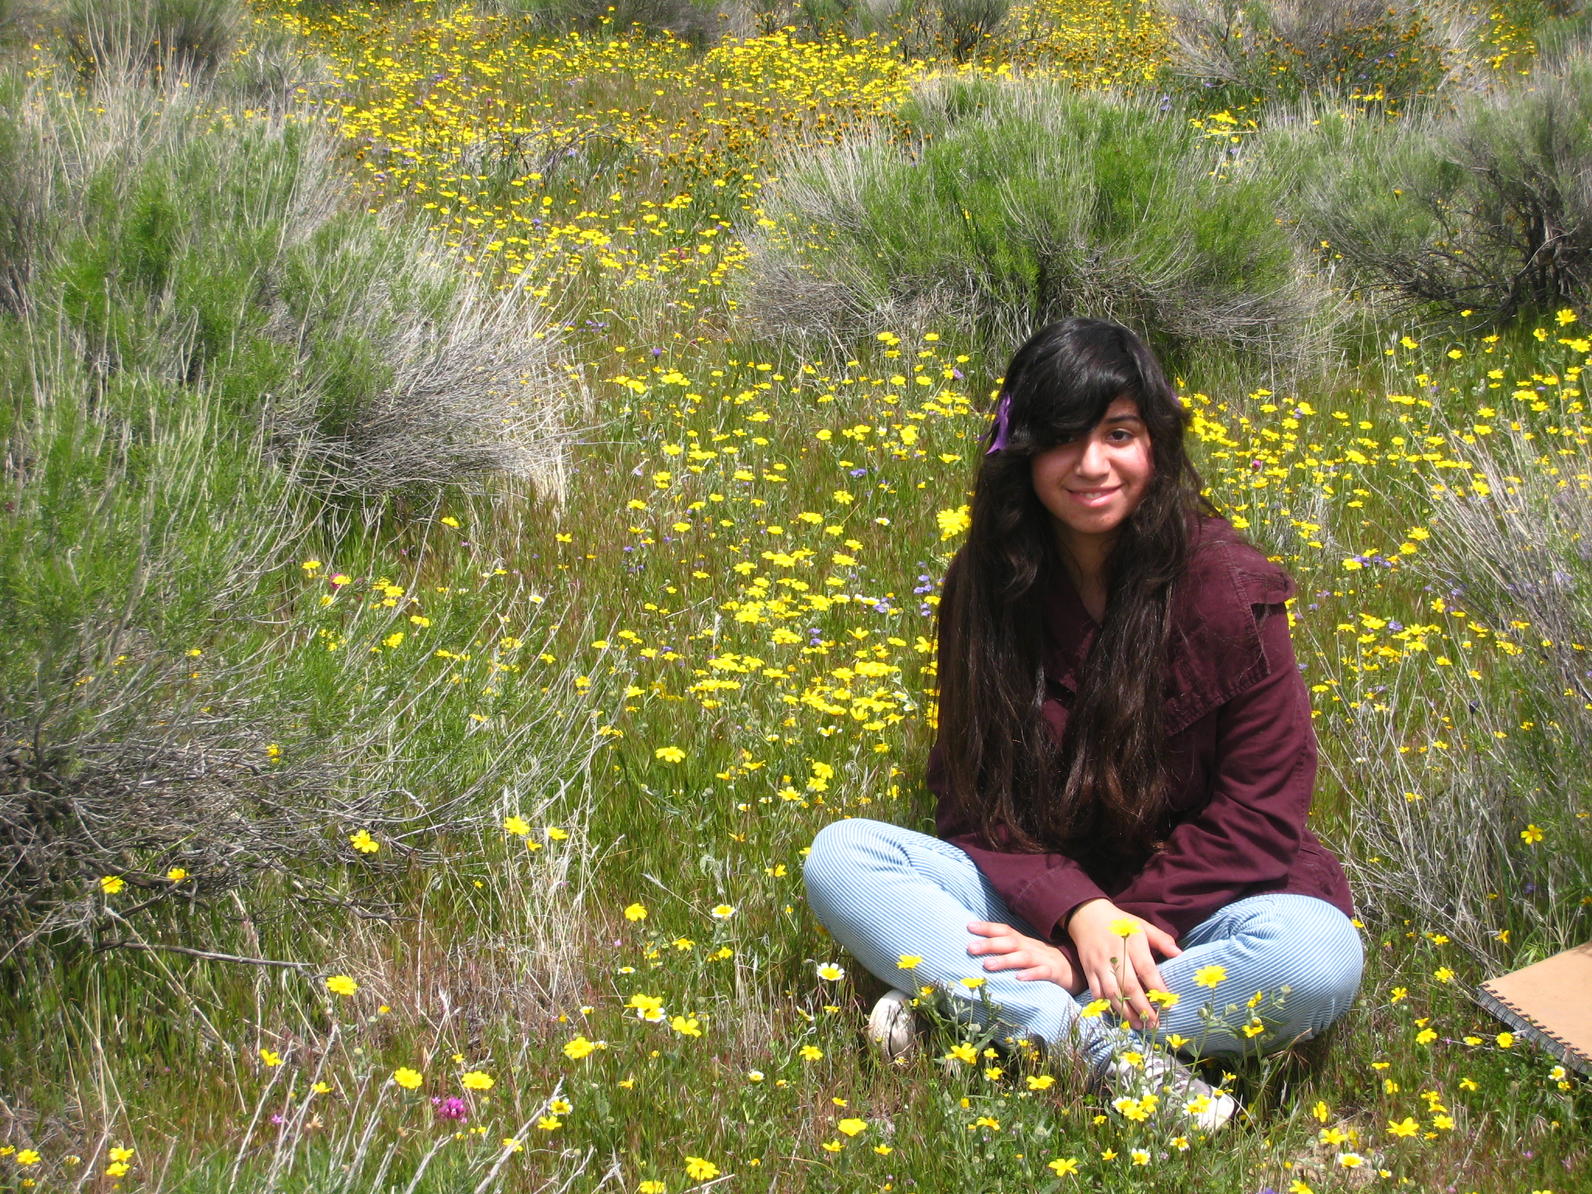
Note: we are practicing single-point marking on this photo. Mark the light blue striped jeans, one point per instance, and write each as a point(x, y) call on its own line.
point(1292, 962)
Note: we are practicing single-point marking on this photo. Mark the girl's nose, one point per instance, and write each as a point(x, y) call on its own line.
point(1092, 462)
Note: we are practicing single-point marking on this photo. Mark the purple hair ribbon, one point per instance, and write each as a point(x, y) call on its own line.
point(1002, 428)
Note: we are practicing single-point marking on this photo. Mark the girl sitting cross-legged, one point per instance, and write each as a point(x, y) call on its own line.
point(1124, 761)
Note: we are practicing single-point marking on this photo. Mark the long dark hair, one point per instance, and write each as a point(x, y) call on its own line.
point(1099, 794)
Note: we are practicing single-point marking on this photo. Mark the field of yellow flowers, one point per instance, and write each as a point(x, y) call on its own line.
point(607, 979)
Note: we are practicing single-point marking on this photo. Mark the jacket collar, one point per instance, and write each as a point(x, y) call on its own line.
point(1214, 652)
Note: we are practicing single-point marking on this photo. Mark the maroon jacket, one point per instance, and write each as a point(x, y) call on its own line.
point(1240, 747)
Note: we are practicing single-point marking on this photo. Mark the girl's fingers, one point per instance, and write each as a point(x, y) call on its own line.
point(1122, 969)
point(1145, 971)
point(1129, 994)
point(1122, 989)
point(993, 945)
point(1161, 941)
point(1130, 1002)
point(1015, 961)
point(1104, 985)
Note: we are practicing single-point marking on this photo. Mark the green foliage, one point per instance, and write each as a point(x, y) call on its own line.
point(1015, 204)
point(1487, 210)
point(928, 28)
point(1284, 49)
point(218, 351)
point(1564, 34)
point(694, 21)
point(151, 36)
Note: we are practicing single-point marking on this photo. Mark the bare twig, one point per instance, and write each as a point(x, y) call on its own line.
point(206, 954)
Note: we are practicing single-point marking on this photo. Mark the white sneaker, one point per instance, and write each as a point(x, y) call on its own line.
point(892, 1025)
point(1179, 1093)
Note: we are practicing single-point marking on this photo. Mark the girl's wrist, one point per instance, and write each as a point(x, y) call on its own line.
point(1071, 917)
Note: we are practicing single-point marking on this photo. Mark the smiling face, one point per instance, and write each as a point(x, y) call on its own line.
point(1093, 482)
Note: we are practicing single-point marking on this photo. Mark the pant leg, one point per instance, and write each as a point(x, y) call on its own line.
point(883, 891)
point(1300, 954)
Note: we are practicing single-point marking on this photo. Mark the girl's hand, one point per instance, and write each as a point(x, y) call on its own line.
point(1116, 953)
point(1034, 960)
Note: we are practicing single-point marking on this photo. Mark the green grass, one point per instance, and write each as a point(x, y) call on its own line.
point(668, 681)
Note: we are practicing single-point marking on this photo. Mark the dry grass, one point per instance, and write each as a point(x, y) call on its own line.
point(1404, 50)
point(1438, 838)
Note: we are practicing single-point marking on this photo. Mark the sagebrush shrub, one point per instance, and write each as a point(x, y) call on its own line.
point(221, 354)
point(189, 36)
point(1288, 48)
point(923, 28)
point(134, 504)
point(690, 20)
point(1012, 204)
point(199, 252)
point(1487, 210)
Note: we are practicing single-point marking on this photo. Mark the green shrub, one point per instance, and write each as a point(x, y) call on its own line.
point(694, 21)
point(232, 254)
point(143, 36)
point(1564, 35)
point(169, 698)
point(223, 356)
point(1488, 210)
point(134, 504)
point(927, 28)
point(1018, 203)
point(1287, 48)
